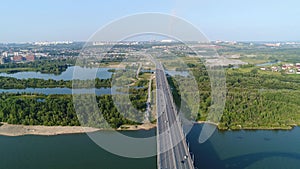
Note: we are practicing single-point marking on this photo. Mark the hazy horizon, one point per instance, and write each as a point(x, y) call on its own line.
point(233, 20)
point(85, 41)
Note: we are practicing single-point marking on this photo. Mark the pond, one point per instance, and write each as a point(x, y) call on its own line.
point(85, 73)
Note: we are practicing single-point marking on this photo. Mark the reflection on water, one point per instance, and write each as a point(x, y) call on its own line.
point(180, 73)
point(48, 91)
point(247, 149)
point(85, 73)
point(259, 149)
point(75, 151)
point(268, 63)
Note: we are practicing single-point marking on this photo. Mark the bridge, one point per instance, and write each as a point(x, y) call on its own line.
point(172, 149)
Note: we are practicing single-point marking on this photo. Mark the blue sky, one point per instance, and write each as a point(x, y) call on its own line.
point(51, 20)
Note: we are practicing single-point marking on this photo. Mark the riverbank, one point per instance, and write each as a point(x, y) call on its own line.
point(256, 128)
point(208, 122)
point(20, 130)
point(240, 127)
point(146, 126)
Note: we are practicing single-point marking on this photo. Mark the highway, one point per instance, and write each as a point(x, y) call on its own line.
point(172, 149)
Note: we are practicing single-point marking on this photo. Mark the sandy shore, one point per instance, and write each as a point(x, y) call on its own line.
point(146, 126)
point(20, 130)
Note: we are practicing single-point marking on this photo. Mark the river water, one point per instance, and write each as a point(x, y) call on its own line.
point(255, 149)
point(251, 149)
point(48, 91)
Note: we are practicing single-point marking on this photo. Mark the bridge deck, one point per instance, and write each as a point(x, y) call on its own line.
point(172, 149)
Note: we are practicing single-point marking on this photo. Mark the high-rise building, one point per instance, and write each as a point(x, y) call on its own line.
point(4, 54)
point(2, 60)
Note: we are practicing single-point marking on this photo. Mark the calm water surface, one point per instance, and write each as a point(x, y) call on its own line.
point(82, 74)
point(75, 151)
point(260, 149)
point(48, 91)
point(230, 149)
point(85, 73)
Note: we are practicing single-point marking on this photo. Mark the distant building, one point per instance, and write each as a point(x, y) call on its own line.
point(2, 60)
point(166, 41)
point(287, 66)
point(38, 55)
point(18, 58)
point(274, 69)
point(272, 44)
point(4, 54)
point(291, 71)
point(284, 67)
point(30, 58)
point(16, 53)
point(263, 68)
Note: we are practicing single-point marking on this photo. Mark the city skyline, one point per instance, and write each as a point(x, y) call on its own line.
point(33, 21)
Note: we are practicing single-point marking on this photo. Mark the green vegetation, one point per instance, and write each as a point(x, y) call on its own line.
point(255, 99)
point(37, 110)
point(58, 110)
point(56, 66)
point(13, 83)
point(261, 54)
point(52, 110)
point(138, 92)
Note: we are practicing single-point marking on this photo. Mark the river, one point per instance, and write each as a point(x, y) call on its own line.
point(74, 151)
point(252, 149)
point(268, 63)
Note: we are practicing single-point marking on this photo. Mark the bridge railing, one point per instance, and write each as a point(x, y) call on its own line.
point(178, 120)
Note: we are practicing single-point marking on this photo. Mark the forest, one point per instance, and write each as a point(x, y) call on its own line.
point(14, 83)
point(254, 99)
point(43, 65)
point(53, 110)
point(73, 110)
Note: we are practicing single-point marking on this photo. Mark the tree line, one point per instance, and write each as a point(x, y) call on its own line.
point(53, 110)
point(14, 83)
point(43, 65)
point(254, 99)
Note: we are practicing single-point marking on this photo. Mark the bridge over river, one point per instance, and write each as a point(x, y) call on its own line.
point(172, 149)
